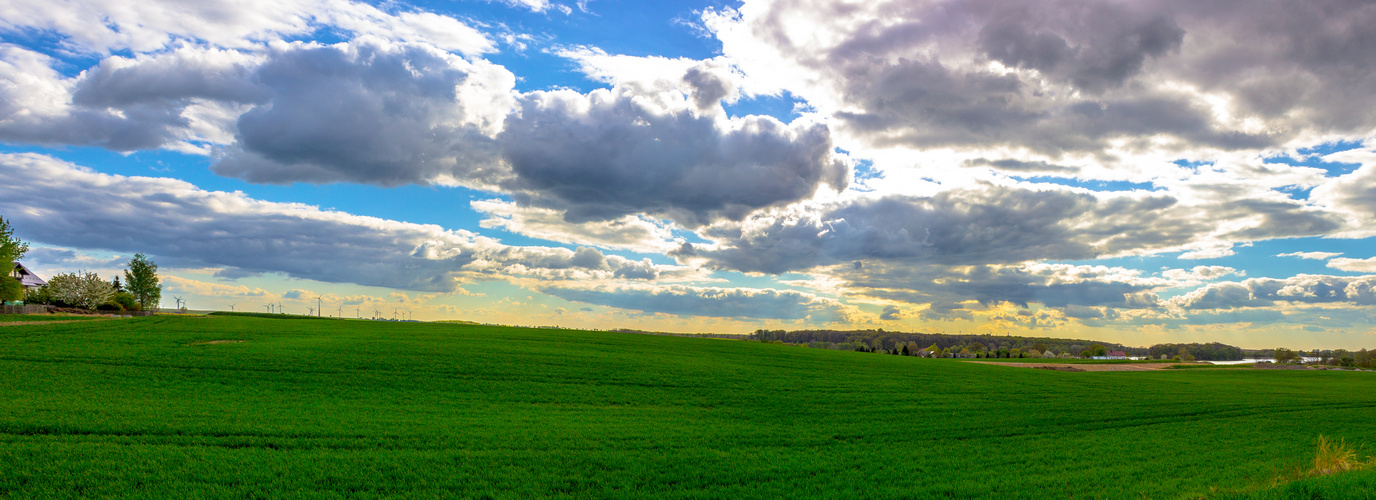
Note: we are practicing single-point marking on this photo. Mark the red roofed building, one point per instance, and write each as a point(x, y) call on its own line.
point(1117, 355)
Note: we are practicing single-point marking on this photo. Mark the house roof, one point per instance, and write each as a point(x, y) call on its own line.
point(27, 277)
point(1117, 353)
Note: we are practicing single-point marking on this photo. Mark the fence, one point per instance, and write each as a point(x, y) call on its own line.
point(24, 309)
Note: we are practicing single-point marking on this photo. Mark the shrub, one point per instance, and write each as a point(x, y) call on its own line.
point(126, 301)
point(40, 295)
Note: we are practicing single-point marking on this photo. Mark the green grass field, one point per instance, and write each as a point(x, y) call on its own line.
point(146, 407)
point(11, 318)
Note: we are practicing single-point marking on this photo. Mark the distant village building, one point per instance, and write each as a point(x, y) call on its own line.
point(1113, 355)
point(26, 277)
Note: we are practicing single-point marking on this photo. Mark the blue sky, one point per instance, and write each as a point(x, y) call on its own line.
point(1142, 173)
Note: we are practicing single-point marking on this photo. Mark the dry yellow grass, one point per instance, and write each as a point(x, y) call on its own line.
point(1334, 457)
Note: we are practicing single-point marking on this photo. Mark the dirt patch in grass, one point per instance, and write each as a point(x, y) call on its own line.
point(1083, 367)
point(55, 322)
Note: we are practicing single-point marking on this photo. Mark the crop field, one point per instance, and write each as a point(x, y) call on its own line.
point(234, 407)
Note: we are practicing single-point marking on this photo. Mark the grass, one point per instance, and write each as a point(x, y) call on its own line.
point(147, 407)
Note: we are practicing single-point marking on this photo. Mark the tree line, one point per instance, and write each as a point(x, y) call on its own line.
point(1212, 351)
point(984, 345)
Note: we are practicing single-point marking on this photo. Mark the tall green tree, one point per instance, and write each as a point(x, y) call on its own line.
point(141, 279)
point(11, 249)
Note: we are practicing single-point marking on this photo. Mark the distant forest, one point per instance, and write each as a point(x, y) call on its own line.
point(970, 345)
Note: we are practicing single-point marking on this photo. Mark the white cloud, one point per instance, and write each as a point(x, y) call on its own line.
point(1354, 265)
point(630, 232)
point(1310, 255)
point(109, 25)
point(1265, 292)
point(1198, 274)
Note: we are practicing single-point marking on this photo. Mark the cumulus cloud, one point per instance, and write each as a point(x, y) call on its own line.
point(610, 153)
point(1198, 274)
point(36, 108)
point(1354, 265)
point(1263, 292)
point(684, 300)
point(370, 112)
point(382, 111)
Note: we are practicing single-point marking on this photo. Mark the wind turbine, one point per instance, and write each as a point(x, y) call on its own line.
point(340, 312)
point(319, 306)
point(394, 314)
point(179, 302)
point(279, 308)
point(311, 309)
point(231, 308)
point(376, 313)
point(359, 311)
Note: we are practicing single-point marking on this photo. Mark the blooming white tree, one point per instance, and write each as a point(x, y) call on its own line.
point(81, 289)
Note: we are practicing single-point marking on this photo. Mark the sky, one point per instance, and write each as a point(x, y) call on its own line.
point(1137, 172)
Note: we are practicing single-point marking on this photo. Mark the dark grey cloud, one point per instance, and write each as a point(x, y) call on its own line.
point(1012, 165)
point(1087, 74)
point(611, 153)
point(709, 301)
point(891, 313)
point(172, 78)
point(55, 203)
point(992, 225)
point(1094, 45)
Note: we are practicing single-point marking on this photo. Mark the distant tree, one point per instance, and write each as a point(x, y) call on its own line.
point(119, 287)
point(1039, 347)
point(1284, 355)
point(142, 280)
